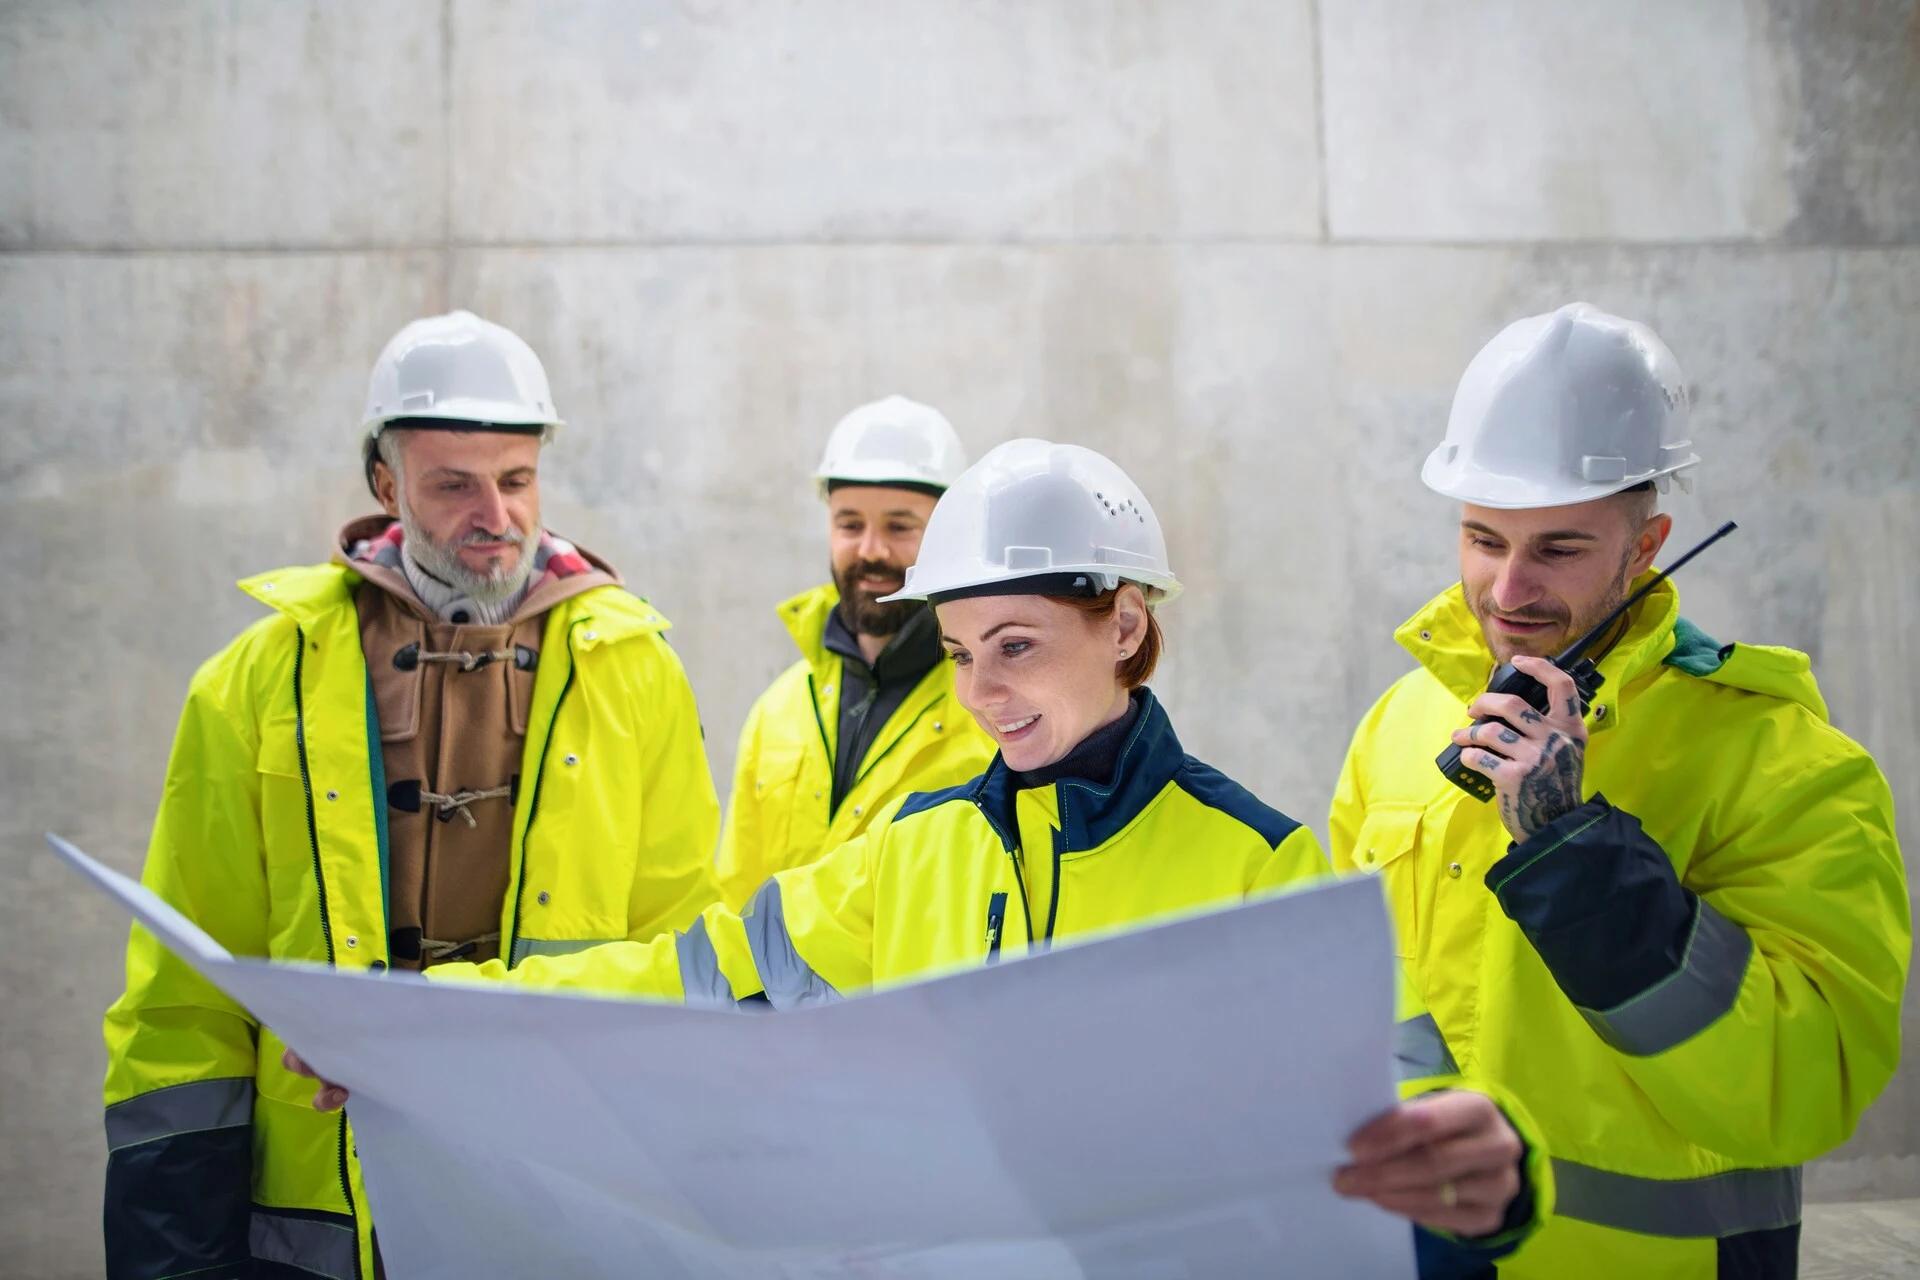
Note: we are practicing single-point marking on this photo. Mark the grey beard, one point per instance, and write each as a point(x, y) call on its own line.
point(444, 563)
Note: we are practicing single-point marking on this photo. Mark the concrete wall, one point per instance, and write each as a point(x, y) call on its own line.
point(1245, 247)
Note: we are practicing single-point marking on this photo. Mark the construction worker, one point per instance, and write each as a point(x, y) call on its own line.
point(460, 739)
point(1679, 930)
point(1045, 564)
point(867, 713)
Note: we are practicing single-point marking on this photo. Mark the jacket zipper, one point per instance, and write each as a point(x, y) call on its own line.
point(346, 1188)
point(1012, 848)
point(1020, 878)
point(306, 785)
point(1059, 838)
point(1053, 904)
point(533, 801)
point(320, 881)
point(898, 739)
point(813, 699)
point(996, 917)
point(901, 736)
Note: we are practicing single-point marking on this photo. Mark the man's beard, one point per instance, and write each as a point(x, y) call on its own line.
point(862, 611)
point(1505, 648)
point(494, 586)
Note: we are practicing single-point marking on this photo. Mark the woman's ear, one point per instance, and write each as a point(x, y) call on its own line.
point(1129, 620)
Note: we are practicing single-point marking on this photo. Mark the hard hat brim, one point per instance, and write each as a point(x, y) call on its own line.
point(880, 475)
point(1482, 488)
point(1166, 584)
point(479, 413)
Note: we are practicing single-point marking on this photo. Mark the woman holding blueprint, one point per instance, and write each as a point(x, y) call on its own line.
point(1044, 564)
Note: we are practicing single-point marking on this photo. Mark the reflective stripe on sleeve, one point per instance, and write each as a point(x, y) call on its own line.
point(1722, 1204)
point(1419, 1050)
point(700, 975)
point(788, 980)
point(311, 1243)
point(1689, 1001)
point(180, 1108)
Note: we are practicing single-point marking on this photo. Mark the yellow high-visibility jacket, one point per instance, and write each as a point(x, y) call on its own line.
point(1692, 981)
point(271, 835)
point(780, 814)
point(965, 876)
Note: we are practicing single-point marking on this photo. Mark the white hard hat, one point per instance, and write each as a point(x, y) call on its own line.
point(1032, 509)
point(459, 368)
point(893, 441)
point(1564, 408)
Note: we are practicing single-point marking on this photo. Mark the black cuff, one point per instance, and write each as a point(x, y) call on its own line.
point(181, 1204)
point(1599, 901)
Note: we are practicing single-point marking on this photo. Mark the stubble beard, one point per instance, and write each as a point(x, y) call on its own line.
point(1505, 649)
point(492, 586)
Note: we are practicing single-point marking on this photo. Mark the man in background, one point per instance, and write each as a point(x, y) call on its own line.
point(867, 713)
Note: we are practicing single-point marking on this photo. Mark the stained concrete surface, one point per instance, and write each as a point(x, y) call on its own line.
point(1245, 248)
point(1874, 1240)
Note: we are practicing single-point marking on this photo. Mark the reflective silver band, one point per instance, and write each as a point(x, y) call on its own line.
point(789, 981)
point(524, 947)
point(700, 975)
point(1419, 1050)
point(328, 1249)
point(180, 1108)
point(1722, 1204)
point(1696, 996)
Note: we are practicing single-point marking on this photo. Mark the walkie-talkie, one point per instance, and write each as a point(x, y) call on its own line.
point(1587, 679)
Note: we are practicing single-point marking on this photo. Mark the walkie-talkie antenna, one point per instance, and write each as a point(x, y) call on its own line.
point(1580, 646)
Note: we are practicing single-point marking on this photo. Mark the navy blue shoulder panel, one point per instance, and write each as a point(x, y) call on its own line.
point(1217, 791)
point(921, 801)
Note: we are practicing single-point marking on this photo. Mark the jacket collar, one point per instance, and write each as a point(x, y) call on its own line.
point(1445, 638)
point(805, 618)
point(905, 659)
point(1091, 813)
point(308, 594)
point(371, 546)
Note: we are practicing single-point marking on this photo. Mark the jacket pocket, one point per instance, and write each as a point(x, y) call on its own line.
point(290, 822)
point(776, 794)
point(1389, 834)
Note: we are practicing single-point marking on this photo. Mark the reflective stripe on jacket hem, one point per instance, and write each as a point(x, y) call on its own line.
point(1419, 1050)
point(700, 975)
point(788, 980)
point(181, 1108)
point(326, 1248)
point(524, 947)
point(1689, 1001)
point(1722, 1204)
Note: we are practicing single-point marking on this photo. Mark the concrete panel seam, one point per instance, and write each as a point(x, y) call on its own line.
point(1320, 112)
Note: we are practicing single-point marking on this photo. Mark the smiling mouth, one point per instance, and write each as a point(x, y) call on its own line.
point(1012, 727)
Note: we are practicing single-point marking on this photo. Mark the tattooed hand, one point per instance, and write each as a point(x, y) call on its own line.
point(1535, 764)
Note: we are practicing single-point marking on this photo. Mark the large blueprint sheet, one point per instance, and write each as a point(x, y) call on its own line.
point(1168, 1102)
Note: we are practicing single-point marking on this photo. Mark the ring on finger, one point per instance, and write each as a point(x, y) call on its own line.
point(1449, 1194)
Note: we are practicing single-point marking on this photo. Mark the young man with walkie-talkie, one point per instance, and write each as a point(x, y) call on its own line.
point(1663, 905)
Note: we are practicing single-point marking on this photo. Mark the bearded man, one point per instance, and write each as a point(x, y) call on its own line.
point(868, 712)
point(1678, 932)
point(460, 739)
